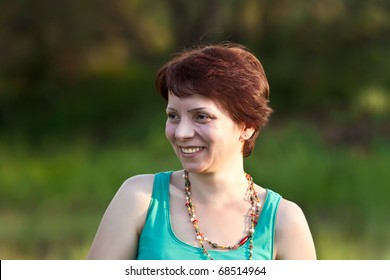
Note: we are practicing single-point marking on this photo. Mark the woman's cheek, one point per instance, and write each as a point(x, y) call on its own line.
point(169, 131)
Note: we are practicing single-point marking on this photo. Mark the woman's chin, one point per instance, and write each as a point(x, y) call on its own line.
point(193, 168)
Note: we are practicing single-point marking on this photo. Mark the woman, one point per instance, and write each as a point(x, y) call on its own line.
point(217, 103)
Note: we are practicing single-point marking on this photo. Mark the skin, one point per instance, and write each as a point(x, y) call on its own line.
point(209, 145)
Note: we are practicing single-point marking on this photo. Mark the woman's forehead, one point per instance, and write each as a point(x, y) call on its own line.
point(192, 100)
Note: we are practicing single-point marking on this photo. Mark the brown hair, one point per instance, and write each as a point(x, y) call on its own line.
point(230, 75)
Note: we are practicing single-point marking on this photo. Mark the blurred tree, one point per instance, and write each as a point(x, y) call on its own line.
point(48, 49)
point(317, 54)
point(321, 53)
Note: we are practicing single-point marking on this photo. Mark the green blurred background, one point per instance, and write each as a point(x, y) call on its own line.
point(79, 113)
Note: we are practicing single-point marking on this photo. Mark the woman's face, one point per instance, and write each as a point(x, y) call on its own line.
point(202, 134)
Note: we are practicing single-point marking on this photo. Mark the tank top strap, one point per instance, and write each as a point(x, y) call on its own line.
point(265, 230)
point(161, 188)
point(270, 206)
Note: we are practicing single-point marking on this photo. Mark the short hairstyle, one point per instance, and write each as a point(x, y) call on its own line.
point(229, 74)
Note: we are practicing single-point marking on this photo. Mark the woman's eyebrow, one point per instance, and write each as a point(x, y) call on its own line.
point(197, 109)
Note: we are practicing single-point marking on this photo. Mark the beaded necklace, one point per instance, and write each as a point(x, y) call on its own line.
point(201, 238)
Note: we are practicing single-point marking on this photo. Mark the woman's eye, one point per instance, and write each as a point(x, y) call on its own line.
point(172, 116)
point(203, 117)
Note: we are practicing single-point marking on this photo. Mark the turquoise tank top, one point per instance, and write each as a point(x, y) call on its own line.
point(159, 242)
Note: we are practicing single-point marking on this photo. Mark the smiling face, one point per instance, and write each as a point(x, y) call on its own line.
point(228, 74)
point(203, 135)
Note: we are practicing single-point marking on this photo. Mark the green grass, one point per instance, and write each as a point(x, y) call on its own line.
point(53, 195)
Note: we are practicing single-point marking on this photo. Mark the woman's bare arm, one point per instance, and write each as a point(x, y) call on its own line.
point(293, 239)
point(118, 233)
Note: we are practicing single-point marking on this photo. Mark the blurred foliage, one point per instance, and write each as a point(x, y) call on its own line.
point(71, 63)
point(52, 198)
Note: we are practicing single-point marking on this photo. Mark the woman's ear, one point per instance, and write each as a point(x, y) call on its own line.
point(246, 133)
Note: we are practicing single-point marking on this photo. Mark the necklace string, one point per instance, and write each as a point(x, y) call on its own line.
point(202, 239)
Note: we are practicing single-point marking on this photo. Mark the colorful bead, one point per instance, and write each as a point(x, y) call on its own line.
point(243, 241)
point(255, 207)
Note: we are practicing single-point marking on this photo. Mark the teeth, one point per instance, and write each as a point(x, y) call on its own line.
point(191, 150)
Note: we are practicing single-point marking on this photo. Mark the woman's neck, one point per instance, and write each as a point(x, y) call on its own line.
point(215, 187)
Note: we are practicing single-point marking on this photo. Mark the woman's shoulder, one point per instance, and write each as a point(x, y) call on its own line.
point(290, 217)
point(289, 210)
point(142, 183)
point(293, 237)
point(138, 183)
point(135, 191)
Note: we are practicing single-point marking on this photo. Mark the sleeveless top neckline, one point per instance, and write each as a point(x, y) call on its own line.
point(159, 242)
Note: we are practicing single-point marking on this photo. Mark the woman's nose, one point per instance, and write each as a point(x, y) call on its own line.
point(184, 130)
